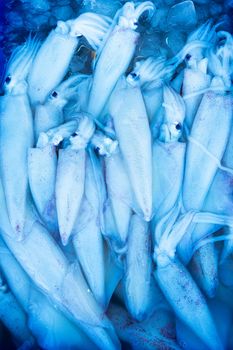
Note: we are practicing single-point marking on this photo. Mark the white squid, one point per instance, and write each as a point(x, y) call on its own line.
point(131, 124)
point(116, 54)
point(52, 61)
point(16, 134)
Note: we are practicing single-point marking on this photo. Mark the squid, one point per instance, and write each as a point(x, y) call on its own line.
point(50, 114)
point(138, 269)
point(52, 60)
point(158, 332)
point(44, 320)
point(175, 281)
point(42, 184)
point(91, 256)
point(196, 79)
point(131, 124)
point(120, 198)
point(16, 134)
point(115, 54)
point(70, 177)
point(208, 148)
point(63, 283)
point(151, 74)
point(168, 156)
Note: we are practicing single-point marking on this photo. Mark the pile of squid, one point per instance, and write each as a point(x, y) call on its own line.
point(116, 217)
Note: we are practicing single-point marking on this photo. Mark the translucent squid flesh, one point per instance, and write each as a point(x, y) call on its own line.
point(50, 114)
point(57, 51)
point(15, 141)
point(42, 184)
point(116, 54)
point(132, 130)
point(44, 320)
point(156, 332)
point(175, 281)
point(91, 256)
point(58, 279)
point(69, 189)
point(138, 269)
point(121, 198)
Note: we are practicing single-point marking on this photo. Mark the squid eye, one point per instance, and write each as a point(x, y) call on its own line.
point(178, 126)
point(188, 56)
point(54, 94)
point(74, 134)
point(8, 80)
point(135, 23)
point(135, 76)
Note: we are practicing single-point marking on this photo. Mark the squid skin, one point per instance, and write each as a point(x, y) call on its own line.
point(88, 242)
point(208, 117)
point(204, 268)
point(17, 280)
point(50, 271)
point(158, 332)
point(44, 319)
point(113, 272)
point(187, 301)
point(69, 189)
point(175, 281)
point(121, 200)
point(50, 114)
point(168, 168)
point(16, 133)
point(151, 74)
point(194, 81)
point(51, 328)
point(57, 51)
point(186, 338)
point(47, 116)
point(81, 97)
point(14, 144)
point(138, 269)
point(107, 67)
point(133, 133)
point(115, 55)
point(215, 183)
point(42, 185)
point(168, 156)
point(153, 100)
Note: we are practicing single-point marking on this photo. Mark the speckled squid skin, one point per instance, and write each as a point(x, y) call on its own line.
point(187, 301)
